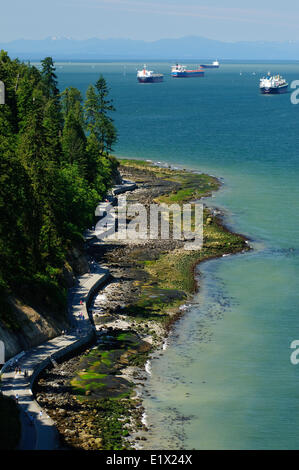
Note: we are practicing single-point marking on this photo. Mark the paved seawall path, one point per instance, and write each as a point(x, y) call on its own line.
point(38, 429)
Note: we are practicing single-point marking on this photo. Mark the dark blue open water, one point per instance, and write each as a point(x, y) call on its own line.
point(226, 380)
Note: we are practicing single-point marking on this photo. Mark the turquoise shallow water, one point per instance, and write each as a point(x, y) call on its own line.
point(225, 381)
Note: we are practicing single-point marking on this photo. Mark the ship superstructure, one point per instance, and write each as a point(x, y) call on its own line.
point(273, 85)
point(148, 76)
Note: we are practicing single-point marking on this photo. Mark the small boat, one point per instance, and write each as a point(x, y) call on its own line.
point(148, 76)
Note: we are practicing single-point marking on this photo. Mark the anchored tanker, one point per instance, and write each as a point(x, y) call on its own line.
point(180, 71)
point(214, 65)
point(273, 85)
point(148, 76)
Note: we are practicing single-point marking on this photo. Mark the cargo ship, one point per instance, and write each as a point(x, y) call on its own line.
point(273, 85)
point(181, 71)
point(148, 76)
point(214, 65)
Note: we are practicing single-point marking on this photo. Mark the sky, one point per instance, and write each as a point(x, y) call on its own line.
point(226, 20)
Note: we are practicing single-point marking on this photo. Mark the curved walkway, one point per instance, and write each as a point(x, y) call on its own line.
point(38, 429)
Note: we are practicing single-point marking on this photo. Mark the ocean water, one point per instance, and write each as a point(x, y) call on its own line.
point(225, 380)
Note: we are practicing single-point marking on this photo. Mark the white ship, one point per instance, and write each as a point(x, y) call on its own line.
point(273, 85)
point(148, 76)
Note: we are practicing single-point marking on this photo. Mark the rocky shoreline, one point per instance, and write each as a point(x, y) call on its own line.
point(92, 397)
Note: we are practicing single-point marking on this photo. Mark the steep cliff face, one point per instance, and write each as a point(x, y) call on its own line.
point(77, 264)
point(33, 325)
point(33, 328)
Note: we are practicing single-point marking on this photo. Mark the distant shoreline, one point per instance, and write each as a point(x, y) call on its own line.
point(184, 48)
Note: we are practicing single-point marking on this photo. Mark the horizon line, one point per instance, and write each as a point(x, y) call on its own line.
point(120, 38)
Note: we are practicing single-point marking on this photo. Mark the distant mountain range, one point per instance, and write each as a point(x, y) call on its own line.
point(191, 47)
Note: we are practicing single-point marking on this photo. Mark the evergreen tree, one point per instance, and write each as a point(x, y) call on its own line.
point(52, 123)
point(37, 157)
point(107, 132)
point(97, 119)
point(9, 73)
point(94, 174)
point(91, 109)
point(30, 80)
point(49, 78)
point(14, 192)
point(71, 100)
point(74, 143)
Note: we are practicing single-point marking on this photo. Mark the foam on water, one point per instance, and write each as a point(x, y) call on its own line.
point(148, 367)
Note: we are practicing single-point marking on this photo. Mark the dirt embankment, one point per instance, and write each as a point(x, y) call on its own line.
point(31, 324)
